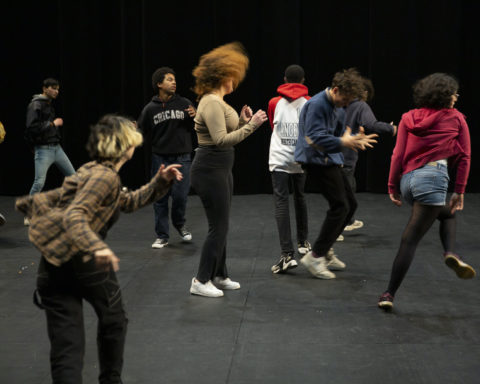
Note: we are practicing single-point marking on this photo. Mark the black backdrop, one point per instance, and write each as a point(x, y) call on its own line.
point(103, 53)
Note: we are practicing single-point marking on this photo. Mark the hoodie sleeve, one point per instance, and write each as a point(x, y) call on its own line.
point(367, 119)
point(317, 130)
point(36, 127)
point(397, 159)
point(271, 110)
point(463, 158)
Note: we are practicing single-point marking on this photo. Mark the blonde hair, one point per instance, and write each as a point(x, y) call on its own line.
point(112, 137)
point(224, 62)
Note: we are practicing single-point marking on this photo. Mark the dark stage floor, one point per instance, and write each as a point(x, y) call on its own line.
point(278, 328)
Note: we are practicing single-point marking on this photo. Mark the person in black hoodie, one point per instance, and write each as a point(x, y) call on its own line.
point(359, 114)
point(43, 134)
point(167, 124)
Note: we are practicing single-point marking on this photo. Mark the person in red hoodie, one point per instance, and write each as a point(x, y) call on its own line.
point(283, 112)
point(430, 139)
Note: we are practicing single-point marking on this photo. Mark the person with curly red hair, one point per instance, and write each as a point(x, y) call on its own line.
point(219, 128)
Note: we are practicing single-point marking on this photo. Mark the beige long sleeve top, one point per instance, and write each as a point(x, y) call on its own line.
point(217, 123)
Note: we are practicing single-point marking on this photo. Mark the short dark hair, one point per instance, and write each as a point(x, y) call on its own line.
point(159, 75)
point(50, 83)
point(435, 91)
point(294, 73)
point(369, 89)
point(349, 82)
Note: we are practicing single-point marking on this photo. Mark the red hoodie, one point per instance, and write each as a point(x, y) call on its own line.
point(291, 91)
point(426, 135)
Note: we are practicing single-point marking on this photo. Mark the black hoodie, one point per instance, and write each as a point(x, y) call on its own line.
point(167, 126)
point(40, 129)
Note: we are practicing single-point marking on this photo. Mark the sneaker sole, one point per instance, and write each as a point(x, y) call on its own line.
point(463, 270)
point(386, 305)
point(193, 292)
point(159, 246)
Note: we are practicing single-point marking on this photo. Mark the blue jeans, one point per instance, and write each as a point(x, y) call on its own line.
point(45, 156)
point(178, 192)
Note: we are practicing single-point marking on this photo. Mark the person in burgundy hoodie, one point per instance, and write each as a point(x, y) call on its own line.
point(429, 139)
point(283, 112)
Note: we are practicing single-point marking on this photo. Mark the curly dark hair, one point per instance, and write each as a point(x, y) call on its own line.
point(349, 83)
point(227, 61)
point(159, 75)
point(435, 91)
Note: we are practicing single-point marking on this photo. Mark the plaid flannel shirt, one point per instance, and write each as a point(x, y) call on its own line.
point(67, 221)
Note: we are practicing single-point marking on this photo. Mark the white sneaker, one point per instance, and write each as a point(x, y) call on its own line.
point(355, 225)
point(340, 238)
point(304, 247)
point(207, 289)
point(160, 243)
point(333, 262)
point(226, 283)
point(317, 266)
point(26, 222)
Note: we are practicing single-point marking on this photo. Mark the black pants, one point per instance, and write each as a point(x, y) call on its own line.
point(341, 200)
point(281, 191)
point(62, 290)
point(212, 179)
point(349, 172)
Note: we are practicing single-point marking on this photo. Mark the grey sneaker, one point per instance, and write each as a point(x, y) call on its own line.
point(185, 233)
point(317, 266)
point(304, 247)
point(333, 262)
point(160, 243)
point(287, 261)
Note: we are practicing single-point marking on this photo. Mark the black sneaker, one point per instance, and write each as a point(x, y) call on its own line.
point(385, 301)
point(287, 261)
point(304, 247)
point(185, 233)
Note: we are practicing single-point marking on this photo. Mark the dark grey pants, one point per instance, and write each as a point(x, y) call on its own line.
point(281, 182)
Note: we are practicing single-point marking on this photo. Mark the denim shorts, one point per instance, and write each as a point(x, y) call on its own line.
point(428, 185)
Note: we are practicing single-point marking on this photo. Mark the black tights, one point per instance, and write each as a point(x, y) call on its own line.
point(420, 222)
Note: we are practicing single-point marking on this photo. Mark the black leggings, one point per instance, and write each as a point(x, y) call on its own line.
point(421, 220)
point(211, 177)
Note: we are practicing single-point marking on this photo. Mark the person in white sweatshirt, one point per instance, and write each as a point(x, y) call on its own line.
point(283, 114)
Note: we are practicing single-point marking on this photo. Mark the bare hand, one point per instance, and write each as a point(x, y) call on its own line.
point(246, 113)
point(105, 257)
point(358, 141)
point(191, 111)
point(395, 129)
point(396, 199)
point(259, 118)
point(171, 172)
point(58, 122)
point(456, 202)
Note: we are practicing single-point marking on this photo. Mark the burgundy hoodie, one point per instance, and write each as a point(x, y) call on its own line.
point(426, 135)
point(290, 91)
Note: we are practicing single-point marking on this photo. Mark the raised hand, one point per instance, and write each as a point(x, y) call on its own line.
point(358, 141)
point(246, 113)
point(171, 172)
point(191, 111)
point(105, 257)
point(259, 118)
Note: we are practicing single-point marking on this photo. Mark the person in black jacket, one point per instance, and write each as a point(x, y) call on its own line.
point(359, 114)
point(43, 134)
point(167, 124)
